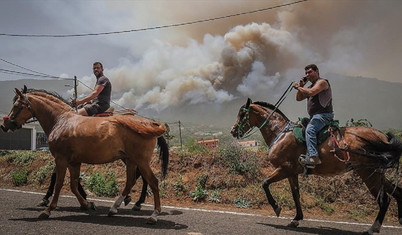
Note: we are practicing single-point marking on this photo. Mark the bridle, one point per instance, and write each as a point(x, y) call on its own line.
point(22, 104)
point(245, 121)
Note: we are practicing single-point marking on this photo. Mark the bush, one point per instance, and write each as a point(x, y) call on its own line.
point(240, 161)
point(178, 186)
point(44, 172)
point(19, 177)
point(20, 158)
point(200, 193)
point(103, 185)
point(241, 202)
point(193, 147)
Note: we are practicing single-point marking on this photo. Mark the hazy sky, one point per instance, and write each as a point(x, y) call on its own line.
point(210, 62)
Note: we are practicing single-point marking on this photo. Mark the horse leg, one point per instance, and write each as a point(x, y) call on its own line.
point(396, 192)
point(61, 168)
point(375, 185)
point(74, 182)
point(275, 176)
point(49, 193)
point(130, 181)
point(148, 176)
point(294, 186)
point(137, 205)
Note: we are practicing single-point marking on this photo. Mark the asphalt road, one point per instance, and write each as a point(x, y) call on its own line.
point(18, 215)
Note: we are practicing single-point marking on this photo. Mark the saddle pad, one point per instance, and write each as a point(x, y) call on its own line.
point(299, 132)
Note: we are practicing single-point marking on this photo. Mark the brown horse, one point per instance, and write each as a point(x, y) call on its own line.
point(370, 151)
point(75, 139)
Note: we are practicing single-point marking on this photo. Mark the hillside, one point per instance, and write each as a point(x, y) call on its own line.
point(226, 184)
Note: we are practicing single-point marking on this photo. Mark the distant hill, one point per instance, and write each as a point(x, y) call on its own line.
point(354, 97)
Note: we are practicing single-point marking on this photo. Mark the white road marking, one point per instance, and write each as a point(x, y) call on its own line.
point(212, 211)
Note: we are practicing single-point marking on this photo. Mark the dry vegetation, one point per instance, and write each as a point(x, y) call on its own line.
point(211, 180)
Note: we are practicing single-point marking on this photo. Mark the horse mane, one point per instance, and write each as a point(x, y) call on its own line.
point(54, 96)
point(270, 106)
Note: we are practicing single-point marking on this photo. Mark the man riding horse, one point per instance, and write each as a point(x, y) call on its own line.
point(319, 107)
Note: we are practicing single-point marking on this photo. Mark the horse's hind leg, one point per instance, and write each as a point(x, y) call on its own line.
point(137, 205)
point(74, 182)
point(61, 168)
point(294, 186)
point(375, 184)
point(396, 192)
point(130, 181)
point(148, 176)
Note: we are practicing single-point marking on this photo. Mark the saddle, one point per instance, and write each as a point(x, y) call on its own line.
point(299, 130)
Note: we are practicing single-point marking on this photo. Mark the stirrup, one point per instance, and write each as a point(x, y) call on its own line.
point(305, 161)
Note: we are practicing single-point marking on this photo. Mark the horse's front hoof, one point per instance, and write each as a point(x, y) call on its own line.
point(293, 224)
point(44, 215)
point(278, 211)
point(112, 212)
point(136, 208)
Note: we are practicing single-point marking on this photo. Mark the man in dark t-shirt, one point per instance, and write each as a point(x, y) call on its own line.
point(99, 100)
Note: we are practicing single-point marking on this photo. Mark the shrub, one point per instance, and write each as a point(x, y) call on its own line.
point(178, 186)
point(193, 147)
point(200, 193)
point(239, 161)
point(103, 185)
point(19, 177)
point(216, 196)
point(20, 158)
point(241, 202)
point(44, 172)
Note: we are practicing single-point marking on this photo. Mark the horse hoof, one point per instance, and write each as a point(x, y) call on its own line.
point(278, 211)
point(152, 220)
point(92, 206)
point(112, 212)
point(44, 215)
point(293, 224)
point(127, 200)
point(44, 202)
point(136, 208)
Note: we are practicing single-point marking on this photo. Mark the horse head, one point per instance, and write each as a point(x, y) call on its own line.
point(242, 124)
point(20, 112)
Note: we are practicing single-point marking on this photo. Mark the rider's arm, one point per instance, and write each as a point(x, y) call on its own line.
point(303, 93)
point(98, 89)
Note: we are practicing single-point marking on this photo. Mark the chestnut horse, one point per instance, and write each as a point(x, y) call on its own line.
point(370, 151)
point(75, 139)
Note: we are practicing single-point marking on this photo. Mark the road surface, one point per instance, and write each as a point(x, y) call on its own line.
point(18, 215)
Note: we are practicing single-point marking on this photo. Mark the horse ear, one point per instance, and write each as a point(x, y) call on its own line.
point(24, 91)
point(248, 102)
point(18, 92)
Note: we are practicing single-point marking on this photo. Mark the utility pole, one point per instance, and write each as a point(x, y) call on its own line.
point(75, 91)
point(181, 142)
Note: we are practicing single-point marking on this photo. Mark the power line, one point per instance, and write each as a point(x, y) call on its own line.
point(19, 66)
point(151, 28)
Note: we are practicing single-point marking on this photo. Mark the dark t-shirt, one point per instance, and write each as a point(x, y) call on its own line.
point(103, 98)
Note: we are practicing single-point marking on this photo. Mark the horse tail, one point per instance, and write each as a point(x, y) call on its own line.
point(163, 154)
point(388, 152)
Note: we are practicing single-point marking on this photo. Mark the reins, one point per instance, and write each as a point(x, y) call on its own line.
point(246, 118)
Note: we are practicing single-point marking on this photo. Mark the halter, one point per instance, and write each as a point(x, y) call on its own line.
point(246, 119)
point(24, 104)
